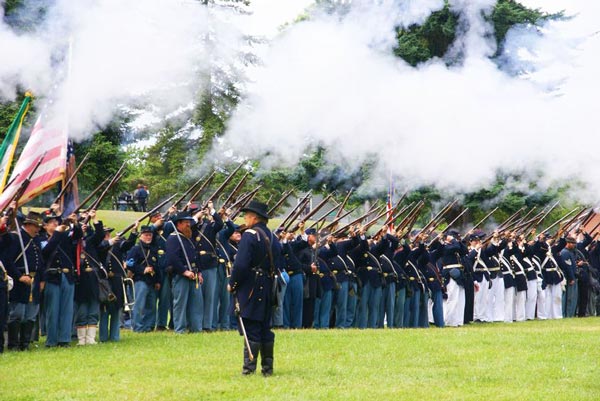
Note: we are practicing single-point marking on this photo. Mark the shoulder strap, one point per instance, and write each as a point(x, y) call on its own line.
point(269, 250)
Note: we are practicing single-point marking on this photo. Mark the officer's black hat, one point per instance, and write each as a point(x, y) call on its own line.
point(145, 229)
point(474, 237)
point(48, 215)
point(33, 218)
point(453, 233)
point(257, 207)
point(182, 216)
point(310, 231)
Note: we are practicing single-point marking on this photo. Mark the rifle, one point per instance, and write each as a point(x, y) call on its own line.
point(509, 221)
point(286, 194)
point(335, 221)
point(243, 202)
point(343, 205)
point(91, 195)
point(324, 215)
point(299, 209)
point(374, 220)
point(410, 218)
point(480, 222)
point(559, 221)
point(70, 180)
point(450, 225)
point(575, 221)
point(221, 187)
point(110, 185)
point(198, 191)
point(23, 187)
point(190, 189)
point(236, 189)
point(434, 221)
point(11, 181)
point(311, 213)
point(342, 229)
point(300, 205)
point(129, 227)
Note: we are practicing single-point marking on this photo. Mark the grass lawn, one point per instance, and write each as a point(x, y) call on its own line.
point(540, 360)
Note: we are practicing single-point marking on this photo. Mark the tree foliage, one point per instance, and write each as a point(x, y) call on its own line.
point(419, 43)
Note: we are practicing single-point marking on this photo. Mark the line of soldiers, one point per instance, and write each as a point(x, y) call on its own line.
point(180, 265)
point(388, 280)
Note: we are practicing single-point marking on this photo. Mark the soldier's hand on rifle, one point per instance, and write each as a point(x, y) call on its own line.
point(301, 226)
point(149, 270)
point(72, 218)
point(200, 278)
point(55, 208)
point(25, 279)
point(173, 209)
point(157, 286)
point(313, 268)
point(189, 275)
point(93, 216)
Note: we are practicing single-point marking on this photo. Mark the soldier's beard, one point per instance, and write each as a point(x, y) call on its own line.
point(187, 232)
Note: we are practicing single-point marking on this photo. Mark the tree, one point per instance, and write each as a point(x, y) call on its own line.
point(419, 43)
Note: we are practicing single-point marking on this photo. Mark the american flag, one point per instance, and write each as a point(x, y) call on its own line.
point(70, 199)
point(48, 142)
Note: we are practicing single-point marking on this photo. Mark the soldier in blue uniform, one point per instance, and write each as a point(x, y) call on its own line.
point(385, 253)
point(251, 282)
point(327, 283)
point(182, 263)
point(4, 277)
point(112, 251)
point(229, 234)
point(209, 224)
point(87, 304)
point(23, 262)
point(59, 276)
point(165, 295)
point(142, 261)
point(569, 265)
point(294, 294)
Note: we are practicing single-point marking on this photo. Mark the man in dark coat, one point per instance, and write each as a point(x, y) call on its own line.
point(256, 263)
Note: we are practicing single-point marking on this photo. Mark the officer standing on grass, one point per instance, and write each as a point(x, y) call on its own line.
point(251, 282)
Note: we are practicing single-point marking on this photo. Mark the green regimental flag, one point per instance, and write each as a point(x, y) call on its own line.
point(7, 150)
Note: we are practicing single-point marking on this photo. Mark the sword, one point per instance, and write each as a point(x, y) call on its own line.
point(241, 323)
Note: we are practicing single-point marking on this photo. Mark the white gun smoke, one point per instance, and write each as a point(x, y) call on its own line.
point(331, 81)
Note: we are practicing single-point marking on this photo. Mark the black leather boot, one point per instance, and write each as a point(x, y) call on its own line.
point(266, 361)
point(26, 333)
point(14, 328)
point(250, 365)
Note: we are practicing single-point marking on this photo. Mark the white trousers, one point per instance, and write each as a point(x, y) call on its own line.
point(520, 298)
point(531, 299)
point(495, 306)
point(480, 304)
point(554, 301)
point(454, 306)
point(509, 304)
point(541, 301)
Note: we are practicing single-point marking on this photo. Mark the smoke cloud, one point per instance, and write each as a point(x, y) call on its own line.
point(149, 54)
point(333, 81)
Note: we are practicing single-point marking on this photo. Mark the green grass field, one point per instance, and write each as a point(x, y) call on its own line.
point(540, 360)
